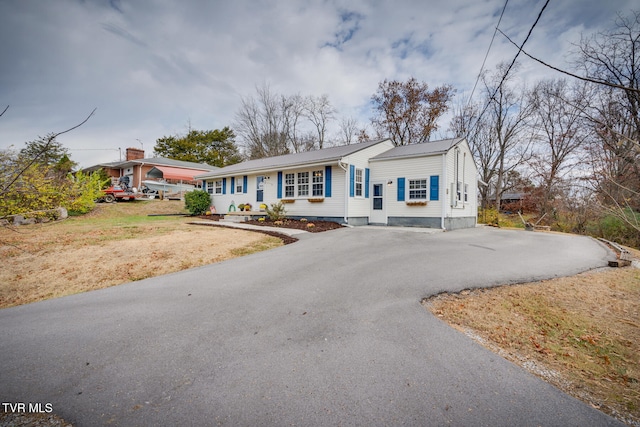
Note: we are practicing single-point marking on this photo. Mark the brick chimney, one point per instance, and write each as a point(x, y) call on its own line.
point(134, 154)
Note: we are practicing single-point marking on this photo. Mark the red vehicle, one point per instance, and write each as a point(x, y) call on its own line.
point(116, 192)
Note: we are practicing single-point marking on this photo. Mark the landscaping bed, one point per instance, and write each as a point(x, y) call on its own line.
point(308, 225)
point(311, 226)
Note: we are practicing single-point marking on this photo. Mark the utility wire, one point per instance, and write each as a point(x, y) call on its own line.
point(515, 58)
point(487, 54)
point(586, 79)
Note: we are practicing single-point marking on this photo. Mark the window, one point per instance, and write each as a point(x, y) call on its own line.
point(218, 186)
point(303, 184)
point(290, 185)
point(209, 187)
point(318, 183)
point(466, 192)
point(239, 185)
point(418, 189)
point(459, 191)
point(358, 182)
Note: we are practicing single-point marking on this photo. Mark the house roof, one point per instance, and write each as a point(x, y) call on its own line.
point(162, 161)
point(326, 155)
point(419, 150)
point(169, 172)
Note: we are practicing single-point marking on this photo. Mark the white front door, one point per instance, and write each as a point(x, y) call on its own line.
point(378, 214)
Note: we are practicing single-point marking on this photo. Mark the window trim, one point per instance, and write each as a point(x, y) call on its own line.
point(294, 184)
point(239, 187)
point(356, 182)
point(317, 183)
point(424, 189)
point(217, 186)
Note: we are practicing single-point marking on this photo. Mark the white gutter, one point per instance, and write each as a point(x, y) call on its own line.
point(444, 195)
point(346, 190)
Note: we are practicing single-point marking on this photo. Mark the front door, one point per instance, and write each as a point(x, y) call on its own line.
point(378, 214)
point(260, 189)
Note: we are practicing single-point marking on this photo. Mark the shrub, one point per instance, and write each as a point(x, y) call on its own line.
point(197, 202)
point(276, 212)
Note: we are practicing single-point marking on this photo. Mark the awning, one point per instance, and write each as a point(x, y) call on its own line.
point(168, 172)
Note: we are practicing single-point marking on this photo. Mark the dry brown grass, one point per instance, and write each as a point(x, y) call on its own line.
point(580, 333)
point(116, 243)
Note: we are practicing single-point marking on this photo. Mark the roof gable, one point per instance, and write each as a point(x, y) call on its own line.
point(418, 150)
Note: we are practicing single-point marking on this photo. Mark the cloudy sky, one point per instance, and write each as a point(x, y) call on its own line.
point(152, 66)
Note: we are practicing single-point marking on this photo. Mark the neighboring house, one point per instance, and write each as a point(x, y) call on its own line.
point(138, 168)
point(429, 185)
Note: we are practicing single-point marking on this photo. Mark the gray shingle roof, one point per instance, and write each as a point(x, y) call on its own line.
point(414, 150)
point(308, 157)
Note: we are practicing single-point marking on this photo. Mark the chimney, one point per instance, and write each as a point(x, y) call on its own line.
point(134, 154)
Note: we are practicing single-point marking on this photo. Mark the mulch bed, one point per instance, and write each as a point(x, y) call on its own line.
point(318, 226)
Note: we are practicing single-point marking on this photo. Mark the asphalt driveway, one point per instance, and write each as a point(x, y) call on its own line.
point(326, 331)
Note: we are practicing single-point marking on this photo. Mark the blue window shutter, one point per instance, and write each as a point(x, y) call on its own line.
point(401, 189)
point(327, 181)
point(233, 185)
point(434, 187)
point(204, 185)
point(224, 185)
point(244, 184)
point(352, 180)
point(366, 183)
point(279, 185)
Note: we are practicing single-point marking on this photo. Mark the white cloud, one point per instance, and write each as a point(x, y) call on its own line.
point(152, 66)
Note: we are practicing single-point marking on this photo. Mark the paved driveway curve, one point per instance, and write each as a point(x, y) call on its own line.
point(327, 331)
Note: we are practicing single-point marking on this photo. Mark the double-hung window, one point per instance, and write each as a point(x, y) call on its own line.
point(358, 182)
point(303, 184)
point(218, 186)
point(418, 189)
point(317, 184)
point(209, 187)
point(290, 185)
point(239, 188)
point(466, 192)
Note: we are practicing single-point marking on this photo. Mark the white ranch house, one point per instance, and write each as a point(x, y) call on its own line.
point(426, 185)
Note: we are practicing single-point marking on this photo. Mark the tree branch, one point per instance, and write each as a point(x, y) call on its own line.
point(586, 79)
point(44, 149)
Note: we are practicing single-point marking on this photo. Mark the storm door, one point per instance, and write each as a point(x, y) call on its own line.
point(260, 189)
point(378, 214)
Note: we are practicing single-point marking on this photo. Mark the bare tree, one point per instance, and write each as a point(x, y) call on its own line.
point(319, 111)
point(261, 125)
point(560, 133)
point(293, 110)
point(408, 111)
point(614, 57)
point(498, 134)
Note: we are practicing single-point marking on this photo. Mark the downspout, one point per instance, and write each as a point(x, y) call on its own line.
point(444, 193)
point(346, 190)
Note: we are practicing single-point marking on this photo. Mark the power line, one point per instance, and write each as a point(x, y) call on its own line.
point(487, 54)
point(515, 58)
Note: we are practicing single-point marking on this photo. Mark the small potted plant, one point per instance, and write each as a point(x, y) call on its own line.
point(247, 207)
point(241, 207)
